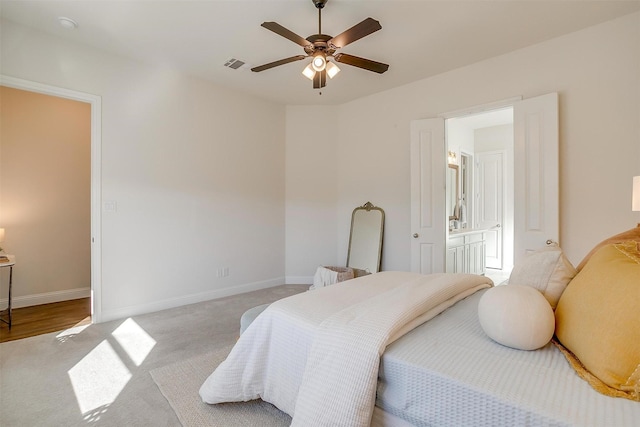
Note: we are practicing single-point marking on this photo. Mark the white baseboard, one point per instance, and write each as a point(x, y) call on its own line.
point(47, 297)
point(299, 280)
point(139, 309)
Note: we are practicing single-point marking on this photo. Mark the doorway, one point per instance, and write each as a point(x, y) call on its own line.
point(482, 147)
point(534, 187)
point(95, 176)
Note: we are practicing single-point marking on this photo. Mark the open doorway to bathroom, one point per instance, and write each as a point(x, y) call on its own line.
point(480, 149)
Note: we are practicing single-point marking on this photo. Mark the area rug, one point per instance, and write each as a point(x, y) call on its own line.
point(180, 382)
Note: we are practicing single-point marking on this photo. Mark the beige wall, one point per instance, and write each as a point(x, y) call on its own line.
point(597, 74)
point(197, 188)
point(196, 172)
point(311, 189)
point(45, 148)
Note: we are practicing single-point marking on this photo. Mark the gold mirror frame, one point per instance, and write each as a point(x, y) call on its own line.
point(365, 239)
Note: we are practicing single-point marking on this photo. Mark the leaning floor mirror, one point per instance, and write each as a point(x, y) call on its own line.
point(365, 239)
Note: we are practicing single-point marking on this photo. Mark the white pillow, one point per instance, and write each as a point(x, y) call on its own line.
point(547, 270)
point(516, 316)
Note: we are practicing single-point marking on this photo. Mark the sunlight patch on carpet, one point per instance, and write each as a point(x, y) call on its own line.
point(134, 340)
point(75, 330)
point(98, 378)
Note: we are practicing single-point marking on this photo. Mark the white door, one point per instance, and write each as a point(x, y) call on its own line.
point(490, 203)
point(536, 210)
point(428, 186)
point(536, 184)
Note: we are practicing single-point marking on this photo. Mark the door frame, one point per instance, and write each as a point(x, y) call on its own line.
point(96, 175)
point(480, 109)
point(537, 109)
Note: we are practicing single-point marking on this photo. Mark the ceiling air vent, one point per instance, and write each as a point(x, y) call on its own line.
point(234, 63)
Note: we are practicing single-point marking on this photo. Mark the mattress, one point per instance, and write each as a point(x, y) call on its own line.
point(447, 372)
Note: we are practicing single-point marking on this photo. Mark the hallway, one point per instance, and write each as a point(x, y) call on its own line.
point(46, 318)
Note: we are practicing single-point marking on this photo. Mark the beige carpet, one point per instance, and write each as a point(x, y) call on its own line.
point(180, 382)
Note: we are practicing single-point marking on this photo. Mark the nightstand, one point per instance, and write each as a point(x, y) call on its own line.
point(10, 262)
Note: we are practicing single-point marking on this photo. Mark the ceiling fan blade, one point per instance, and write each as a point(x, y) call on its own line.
point(366, 64)
point(354, 33)
point(320, 79)
point(277, 63)
point(287, 34)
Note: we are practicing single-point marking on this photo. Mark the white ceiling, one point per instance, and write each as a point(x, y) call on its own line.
point(418, 38)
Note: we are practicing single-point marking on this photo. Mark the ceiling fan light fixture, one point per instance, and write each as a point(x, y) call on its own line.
point(322, 46)
point(332, 69)
point(319, 61)
point(309, 72)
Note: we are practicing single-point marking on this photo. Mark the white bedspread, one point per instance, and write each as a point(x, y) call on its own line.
point(316, 355)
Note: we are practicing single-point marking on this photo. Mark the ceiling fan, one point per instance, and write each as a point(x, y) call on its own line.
point(322, 46)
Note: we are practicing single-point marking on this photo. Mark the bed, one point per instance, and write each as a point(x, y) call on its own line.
point(335, 356)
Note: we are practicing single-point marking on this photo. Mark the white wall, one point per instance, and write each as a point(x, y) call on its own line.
point(493, 138)
point(459, 138)
point(198, 189)
point(196, 171)
point(597, 73)
point(311, 191)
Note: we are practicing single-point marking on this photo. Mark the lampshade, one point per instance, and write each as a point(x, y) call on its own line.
point(635, 198)
point(332, 69)
point(319, 61)
point(308, 72)
point(1, 234)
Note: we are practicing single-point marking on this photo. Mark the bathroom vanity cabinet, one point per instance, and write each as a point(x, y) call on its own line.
point(466, 252)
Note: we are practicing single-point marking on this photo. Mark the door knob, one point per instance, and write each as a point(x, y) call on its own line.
point(416, 235)
point(550, 242)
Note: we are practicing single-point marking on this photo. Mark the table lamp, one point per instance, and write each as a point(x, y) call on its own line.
point(1, 237)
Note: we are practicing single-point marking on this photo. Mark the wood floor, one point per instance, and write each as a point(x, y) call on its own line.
point(45, 318)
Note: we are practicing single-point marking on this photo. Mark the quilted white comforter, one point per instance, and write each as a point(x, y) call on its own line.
point(316, 355)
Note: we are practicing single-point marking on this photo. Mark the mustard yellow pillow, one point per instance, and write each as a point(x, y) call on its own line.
point(598, 320)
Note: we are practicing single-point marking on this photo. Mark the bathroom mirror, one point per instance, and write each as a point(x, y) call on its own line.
point(365, 239)
point(453, 192)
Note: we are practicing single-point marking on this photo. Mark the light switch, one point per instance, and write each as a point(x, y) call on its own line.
point(110, 206)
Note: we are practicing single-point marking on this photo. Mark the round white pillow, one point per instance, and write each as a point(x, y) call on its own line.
point(516, 316)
